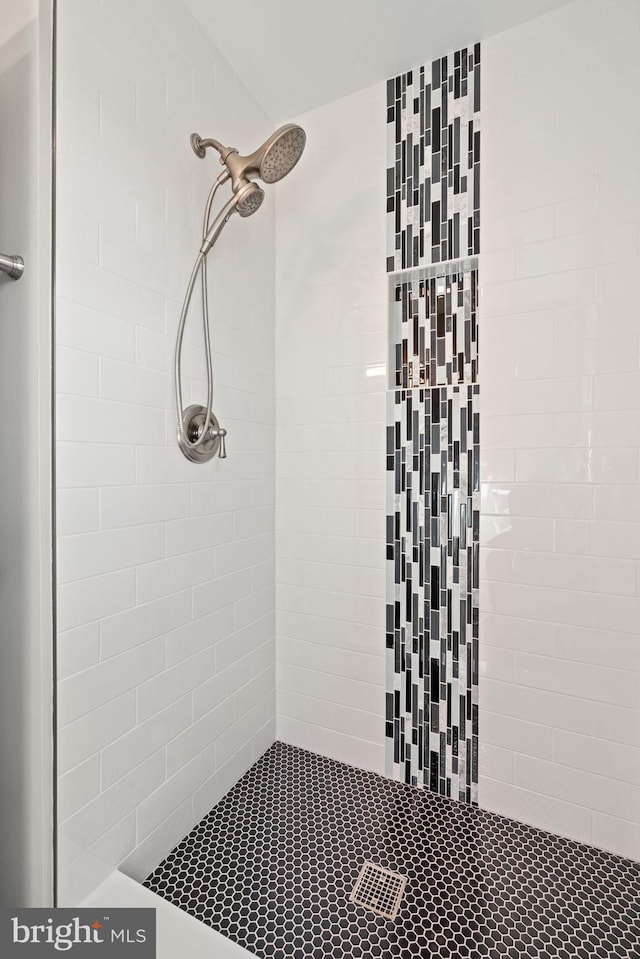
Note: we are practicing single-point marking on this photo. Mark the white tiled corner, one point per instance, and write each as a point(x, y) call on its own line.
point(153, 576)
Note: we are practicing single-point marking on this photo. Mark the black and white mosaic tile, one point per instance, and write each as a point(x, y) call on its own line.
point(435, 328)
point(433, 205)
point(273, 864)
point(433, 528)
point(433, 164)
point(432, 612)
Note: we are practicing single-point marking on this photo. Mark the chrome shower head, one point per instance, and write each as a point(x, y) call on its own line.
point(270, 162)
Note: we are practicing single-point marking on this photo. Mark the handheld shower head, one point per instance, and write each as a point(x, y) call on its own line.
point(270, 162)
point(249, 198)
point(246, 201)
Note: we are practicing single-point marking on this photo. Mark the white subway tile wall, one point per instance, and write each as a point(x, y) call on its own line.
point(560, 424)
point(166, 597)
point(331, 366)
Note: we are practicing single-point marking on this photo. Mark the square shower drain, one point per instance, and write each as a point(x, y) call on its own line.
point(379, 890)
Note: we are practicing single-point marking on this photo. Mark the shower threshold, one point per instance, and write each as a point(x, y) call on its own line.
point(177, 933)
point(272, 867)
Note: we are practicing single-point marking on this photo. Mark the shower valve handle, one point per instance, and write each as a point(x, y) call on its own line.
point(216, 432)
point(219, 433)
point(196, 444)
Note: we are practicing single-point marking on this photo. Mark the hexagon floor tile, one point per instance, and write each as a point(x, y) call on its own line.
point(273, 864)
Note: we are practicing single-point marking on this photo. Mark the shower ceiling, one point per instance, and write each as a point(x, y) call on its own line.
point(295, 55)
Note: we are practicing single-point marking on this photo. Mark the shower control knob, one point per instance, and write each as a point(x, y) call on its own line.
point(222, 452)
point(219, 433)
point(196, 447)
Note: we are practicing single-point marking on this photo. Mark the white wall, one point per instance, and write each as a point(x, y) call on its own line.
point(560, 431)
point(331, 325)
point(26, 689)
point(165, 568)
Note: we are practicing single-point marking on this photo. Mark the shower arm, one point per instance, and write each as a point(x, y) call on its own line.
point(237, 168)
point(200, 145)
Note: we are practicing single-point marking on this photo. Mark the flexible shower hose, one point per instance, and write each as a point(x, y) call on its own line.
point(200, 267)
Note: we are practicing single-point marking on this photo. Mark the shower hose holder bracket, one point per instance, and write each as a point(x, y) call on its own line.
point(193, 420)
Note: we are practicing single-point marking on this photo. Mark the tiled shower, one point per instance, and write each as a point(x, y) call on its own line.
point(419, 557)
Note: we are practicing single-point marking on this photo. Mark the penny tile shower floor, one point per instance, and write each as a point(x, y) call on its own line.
point(273, 864)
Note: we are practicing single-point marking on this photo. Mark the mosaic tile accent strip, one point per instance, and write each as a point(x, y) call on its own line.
point(436, 330)
point(272, 866)
point(433, 166)
point(433, 530)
